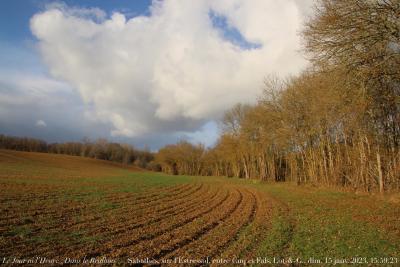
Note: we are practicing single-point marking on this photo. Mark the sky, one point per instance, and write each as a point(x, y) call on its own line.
point(142, 72)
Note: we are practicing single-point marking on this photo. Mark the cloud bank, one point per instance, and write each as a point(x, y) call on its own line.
point(175, 69)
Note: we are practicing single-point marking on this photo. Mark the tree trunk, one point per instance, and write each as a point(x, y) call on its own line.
point(380, 176)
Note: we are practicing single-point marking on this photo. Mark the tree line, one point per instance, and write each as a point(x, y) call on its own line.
point(99, 149)
point(337, 123)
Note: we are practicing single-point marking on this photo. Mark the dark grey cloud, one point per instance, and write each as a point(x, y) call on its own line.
point(36, 105)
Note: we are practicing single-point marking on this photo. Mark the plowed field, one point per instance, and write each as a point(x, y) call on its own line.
point(56, 207)
point(70, 210)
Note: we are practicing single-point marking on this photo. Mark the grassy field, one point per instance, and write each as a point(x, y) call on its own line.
point(59, 209)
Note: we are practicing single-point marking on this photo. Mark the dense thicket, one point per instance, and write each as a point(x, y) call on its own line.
point(181, 158)
point(337, 123)
point(99, 149)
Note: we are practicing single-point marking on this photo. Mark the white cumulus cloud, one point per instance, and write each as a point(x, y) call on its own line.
point(41, 123)
point(174, 69)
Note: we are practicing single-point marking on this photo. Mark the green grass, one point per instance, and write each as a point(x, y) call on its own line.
point(321, 223)
point(22, 231)
point(104, 205)
point(278, 238)
point(135, 182)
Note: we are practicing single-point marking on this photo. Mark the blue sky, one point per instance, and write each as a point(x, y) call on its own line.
point(15, 14)
point(135, 76)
